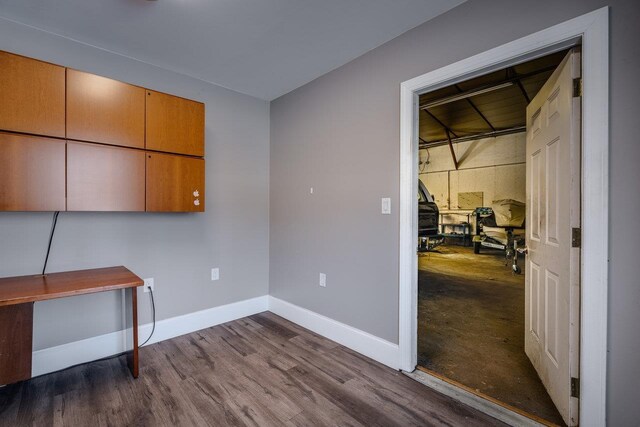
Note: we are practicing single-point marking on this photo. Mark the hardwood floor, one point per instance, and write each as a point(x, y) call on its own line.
point(257, 371)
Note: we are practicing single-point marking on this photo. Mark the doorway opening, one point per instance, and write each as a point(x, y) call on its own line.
point(472, 214)
point(588, 377)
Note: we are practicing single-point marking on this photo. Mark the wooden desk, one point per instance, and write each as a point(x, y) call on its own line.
point(17, 295)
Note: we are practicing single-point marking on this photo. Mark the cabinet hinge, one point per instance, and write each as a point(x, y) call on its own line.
point(576, 237)
point(575, 387)
point(577, 87)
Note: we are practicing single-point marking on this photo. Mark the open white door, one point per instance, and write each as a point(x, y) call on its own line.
point(553, 262)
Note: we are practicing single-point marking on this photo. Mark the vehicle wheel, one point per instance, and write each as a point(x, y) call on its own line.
point(476, 247)
point(516, 269)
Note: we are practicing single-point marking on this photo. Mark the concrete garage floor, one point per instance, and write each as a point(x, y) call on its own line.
point(471, 327)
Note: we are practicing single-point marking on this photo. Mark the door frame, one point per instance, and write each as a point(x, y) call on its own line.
point(592, 30)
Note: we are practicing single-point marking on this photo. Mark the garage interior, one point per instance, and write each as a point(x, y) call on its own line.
point(471, 302)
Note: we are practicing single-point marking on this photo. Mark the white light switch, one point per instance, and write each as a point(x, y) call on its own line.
point(215, 274)
point(386, 206)
point(323, 280)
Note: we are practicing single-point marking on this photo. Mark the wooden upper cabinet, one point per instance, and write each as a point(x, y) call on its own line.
point(174, 125)
point(103, 178)
point(174, 183)
point(32, 173)
point(32, 96)
point(71, 140)
point(104, 110)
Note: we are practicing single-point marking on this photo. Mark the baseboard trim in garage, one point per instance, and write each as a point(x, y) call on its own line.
point(59, 357)
point(364, 343)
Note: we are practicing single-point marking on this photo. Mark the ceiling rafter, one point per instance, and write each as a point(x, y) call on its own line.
point(515, 129)
point(475, 108)
point(445, 127)
point(518, 82)
point(453, 104)
point(484, 89)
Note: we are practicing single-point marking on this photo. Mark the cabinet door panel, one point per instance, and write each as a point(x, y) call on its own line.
point(32, 96)
point(104, 110)
point(174, 183)
point(174, 125)
point(103, 178)
point(31, 173)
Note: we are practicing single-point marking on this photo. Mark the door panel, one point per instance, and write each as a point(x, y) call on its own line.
point(174, 125)
point(552, 192)
point(534, 299)
point(104, 110)
point(552, 267)
point(32, 173)
point(33, 96)
point(534, 203)
point(174, 183)
point(103, 178)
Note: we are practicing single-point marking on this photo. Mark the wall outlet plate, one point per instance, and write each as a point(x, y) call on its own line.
point(148, 284)
point(386, 206)
point(323, 280)
point(215, 273)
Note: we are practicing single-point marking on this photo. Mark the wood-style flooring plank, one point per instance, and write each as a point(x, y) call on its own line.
point(258, 371)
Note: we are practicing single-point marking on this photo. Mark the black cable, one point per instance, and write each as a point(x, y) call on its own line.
point(153, 313)
point(113, 356)
point(153, 304)
point(53, 230)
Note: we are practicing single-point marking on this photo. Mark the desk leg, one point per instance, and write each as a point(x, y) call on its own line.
point(16, 333)
point(132, 356)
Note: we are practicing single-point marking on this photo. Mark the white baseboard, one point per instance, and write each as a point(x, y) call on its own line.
point(59, 357)
point(371, 346)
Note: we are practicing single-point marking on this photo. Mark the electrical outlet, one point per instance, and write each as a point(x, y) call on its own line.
point(148, 284)
point(323, 280)
point(215, 274)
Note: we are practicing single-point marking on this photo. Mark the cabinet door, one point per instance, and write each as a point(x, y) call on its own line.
point(174, 125)
point(104, 110)
point(174, 183)
point(31, 173)
point(31, 96)
point(103, 178)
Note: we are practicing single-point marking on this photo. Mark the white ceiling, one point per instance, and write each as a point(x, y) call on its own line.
point(263, 48)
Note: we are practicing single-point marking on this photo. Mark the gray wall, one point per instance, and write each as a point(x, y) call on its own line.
point(178, 250)
point(340, 133)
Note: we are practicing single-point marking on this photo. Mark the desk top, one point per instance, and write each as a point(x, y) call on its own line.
point(22, 289)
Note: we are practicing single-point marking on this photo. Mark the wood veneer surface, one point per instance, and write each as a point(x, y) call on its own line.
point(32, 173)
point(174, 124)
point(32, 95)
point(16, 335)
point(22, 289)
point(104, 110)
point(175, 183)
point(105, 178)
